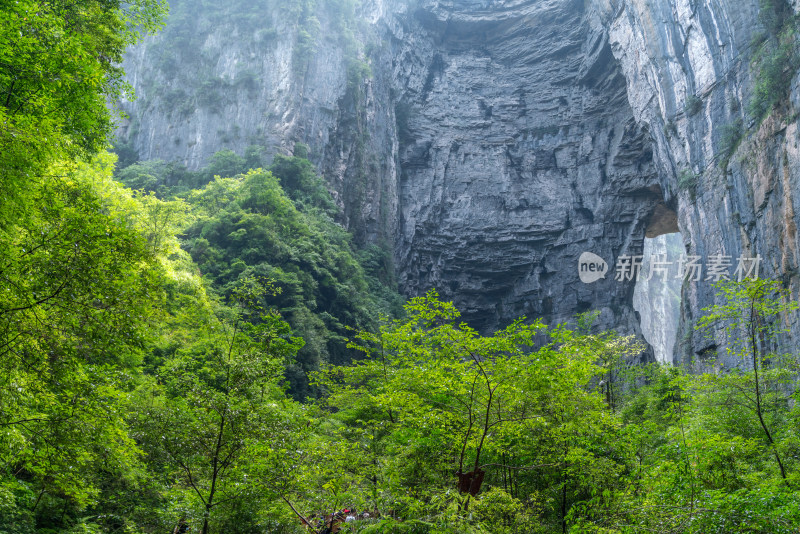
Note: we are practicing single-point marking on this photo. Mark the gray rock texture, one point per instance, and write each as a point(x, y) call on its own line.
point(272, 73)
point(491, 142)
point(518, 152)
point(690, 77)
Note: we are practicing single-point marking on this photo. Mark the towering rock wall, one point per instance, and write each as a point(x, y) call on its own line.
point(691, 69)
point(491, 142)
point(518, 152)
point(272, 73)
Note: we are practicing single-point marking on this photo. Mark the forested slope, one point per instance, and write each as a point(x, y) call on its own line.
point(278, 222)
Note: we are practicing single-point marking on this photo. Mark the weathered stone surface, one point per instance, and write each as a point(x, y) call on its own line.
point(518, 152)
point(494, 141)
point(670, 50)
point(215, 79)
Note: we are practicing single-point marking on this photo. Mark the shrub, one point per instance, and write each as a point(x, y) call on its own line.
point(173, 98)
point(688, 181)
point(729, 141)
point(693, 105)
point(776, 60)
point(670, 129)
point(225, 163)
point(773, 14)
point(734, 104)
point(247, 80)
point(211, 95)
point(305, 46)
point(357, 71)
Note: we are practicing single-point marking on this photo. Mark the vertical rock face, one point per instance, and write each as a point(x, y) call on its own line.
point(518, 152)
point(491, 142)
point(270, 73)
point(690, 74)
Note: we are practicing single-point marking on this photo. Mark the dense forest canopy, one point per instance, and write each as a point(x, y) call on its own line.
point(208, 351)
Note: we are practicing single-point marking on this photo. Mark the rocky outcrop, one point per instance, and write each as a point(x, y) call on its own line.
point(491, 142)
point(271, 73)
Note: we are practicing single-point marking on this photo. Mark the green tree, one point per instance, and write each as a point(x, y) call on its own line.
point(79, 286)
point(751, 318)
point(77, 283)
point(219, 411)
point(59, 66)
point(439, 410)
point(248, 225)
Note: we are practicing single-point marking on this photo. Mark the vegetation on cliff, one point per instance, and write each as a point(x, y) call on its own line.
point(147, 335)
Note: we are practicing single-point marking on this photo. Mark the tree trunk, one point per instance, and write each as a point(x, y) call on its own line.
point(753, 340)
point(471, 482)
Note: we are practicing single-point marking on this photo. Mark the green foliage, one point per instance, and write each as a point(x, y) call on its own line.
point(776, 60)
point(139, 395)
point(689, 181)
point(305, 46)
point(713, 449)
point(342, 14)
point(126, 154)
point(751, 317)
point(211, 94)
point(698, 462)
point(14, 518)
point(186, 77)
point(59, 69)
point(436, 428)
point(693, 105)
point(300, 182)
point(77, 293)
point(172, 179)
point(225, 163)
point(734, 104)
point(78, 282)
point(730, 138)
point(670, 129)
point(357, 72)
point(247, 80)
point(750, 304)
point(774, 64)
point(773, 15)
point(211, 419)
point(249, 226)
point(145, 176)
point(438, 413)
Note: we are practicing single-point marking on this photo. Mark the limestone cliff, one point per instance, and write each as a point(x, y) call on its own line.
point(271, 73)
point(693, 70)
point(491, 142)
point(518, 153)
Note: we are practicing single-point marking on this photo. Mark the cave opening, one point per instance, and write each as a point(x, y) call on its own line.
point(657, 294)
